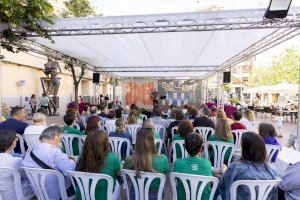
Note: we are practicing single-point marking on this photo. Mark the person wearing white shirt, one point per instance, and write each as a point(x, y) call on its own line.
point(247, 120)
point(278, 122)
point(48, 151)
point(39, 124)
point(8, 141)
point(157, 119)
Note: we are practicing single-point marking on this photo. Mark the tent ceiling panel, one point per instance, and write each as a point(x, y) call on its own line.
point(160, 74)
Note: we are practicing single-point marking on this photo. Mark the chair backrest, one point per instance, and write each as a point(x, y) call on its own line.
point(158, 145)
point(271, 150)
point(180, 144)
point(141, 185)
point(132, 130)
point(161, 130)
point(204, 131)
point(125, 116)
point(22, 144)
point(116, 145)
point(214, 119)
point(85, 119)
point(37, 179)
point(109, 128)
point(191, 182)
point(174, 131)
point(17, 181)
point(259, 189)
point(76, 126)
point(31, 140)
point(169, 121)
point(238, 137)
point(87, 182)
point(81, 142)
point(67, 140)
point(219, 149)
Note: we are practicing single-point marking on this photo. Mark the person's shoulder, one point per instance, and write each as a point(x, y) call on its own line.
point(161, 157)
point(112, 156)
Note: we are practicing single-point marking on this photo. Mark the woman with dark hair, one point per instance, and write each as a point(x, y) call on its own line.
point(145, 159)
point(96, 158)
point(268, 133)
point(253, 165)
point(111, 117)
point(8, 141)
point(193, 113)
point(92, 124)
point(184, 128)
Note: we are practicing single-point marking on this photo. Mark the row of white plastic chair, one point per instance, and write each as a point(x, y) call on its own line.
point(87, 182)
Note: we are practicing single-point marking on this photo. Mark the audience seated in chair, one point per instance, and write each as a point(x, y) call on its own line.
point(49, 153)
point(93, 124)
point(184, 128)
point(157, 119)
point(193, 113)
point(103, 111)
point(237, 115)
point(179, 118)
point(252, 166)
point(39, 124)
point(193, 164)
point(204, 121)
point(268, 133)
point(97, 158)
point(86, 111)
point(149, 124)
point(145, 159)
point(213, 112)
point(132, 117)
point(111, 117)
point(247, 120)
point(8, 142)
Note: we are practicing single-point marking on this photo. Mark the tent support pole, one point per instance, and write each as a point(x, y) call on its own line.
point(298, 118)
point(114, 92)
point(1, 92)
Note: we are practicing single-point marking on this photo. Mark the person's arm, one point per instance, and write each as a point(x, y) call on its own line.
point(290, 179)
point(63, 163)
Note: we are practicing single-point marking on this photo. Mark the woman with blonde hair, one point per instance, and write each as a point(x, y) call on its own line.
point(132, 117)
point(222, 115)
point(248, 119)
point(222, 134)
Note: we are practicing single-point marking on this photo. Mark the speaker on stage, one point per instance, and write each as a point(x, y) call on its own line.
point(96, 77)
point(226, 77)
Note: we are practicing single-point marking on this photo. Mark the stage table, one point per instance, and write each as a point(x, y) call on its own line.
point(286, 157)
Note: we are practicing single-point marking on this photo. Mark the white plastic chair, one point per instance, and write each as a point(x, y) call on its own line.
point(159, 143)
point(84, 120)
point(116, 146)
point(109, 128)
point(204, 131)
point(125, 116)
point(214, 119)
point(141, 185)
point(259, 189)
point(169, 121)
point(87, 182)
point(32, 140)
point(22, 145)
point(37, 178)
point(132, 130)
point(179, 143)
point(271, 150)
point(173, 131)
point(81, 142)
point(219, 149)
point(238, 137)
point(191, 182)
point(17, 182)
point(161, 130)
point(76, 126)
point(67, 140)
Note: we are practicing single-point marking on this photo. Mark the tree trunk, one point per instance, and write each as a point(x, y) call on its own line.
point(76, 94)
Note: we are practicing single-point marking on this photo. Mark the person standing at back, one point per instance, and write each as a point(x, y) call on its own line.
point(33, 103)
point(15, 123)
point(44, 102)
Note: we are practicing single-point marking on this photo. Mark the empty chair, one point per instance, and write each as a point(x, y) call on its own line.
point(18, 193)
point(194, 185)
point(132, 130)
point(37, 179)
point(86, 183)
point(125, 116)
point(219, 150)
point(205, 132)
point(259, 189)
point(238, 137)
point(141, 185)
point(158, 145)
point(174, 131)
point(116, 144)
point(31, 140)
point(109, 128)
point(182, 154)
point(271, 150)
point(67, 141)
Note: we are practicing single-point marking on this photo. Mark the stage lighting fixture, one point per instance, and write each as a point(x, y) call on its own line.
point(278, 9)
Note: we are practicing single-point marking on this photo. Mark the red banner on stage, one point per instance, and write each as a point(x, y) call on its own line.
point(139, 93)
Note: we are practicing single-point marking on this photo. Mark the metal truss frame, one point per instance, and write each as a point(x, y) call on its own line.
point(161, 24)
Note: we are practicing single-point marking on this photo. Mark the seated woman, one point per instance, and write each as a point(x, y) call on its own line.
point(121, 132)
point(193, 164)
point(184, 128)
point(8, 141)
point(145, 159)
point(96, 158)
point(93, 124)
point(148, 123)
point(193, 113)
point(247, 120)
point(111, 117)
point(252, 166)
point(268, 133)
point(222, 134)
point(132, 118)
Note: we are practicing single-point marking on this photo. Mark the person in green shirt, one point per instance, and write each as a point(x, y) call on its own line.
point(97, 158)
point(222, 134)
point(193, 165)
point(68, 128)
point(145, 159)
point(184, 127)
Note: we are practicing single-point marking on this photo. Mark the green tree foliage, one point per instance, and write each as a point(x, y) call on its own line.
point(15, 14)
point(284, 69)
point(78, 8)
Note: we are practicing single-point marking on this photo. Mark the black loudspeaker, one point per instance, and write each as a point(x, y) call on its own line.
point(96, 77)
point(226, 77)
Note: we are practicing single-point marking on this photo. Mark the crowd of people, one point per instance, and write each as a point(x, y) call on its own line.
point(96, 156)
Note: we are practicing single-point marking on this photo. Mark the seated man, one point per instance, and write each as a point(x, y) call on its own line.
point(103, 111)
point(157, 119)
point(49, 153)
point(204, 121)
point(237, 115)
point(69, 129)
point(193, 164)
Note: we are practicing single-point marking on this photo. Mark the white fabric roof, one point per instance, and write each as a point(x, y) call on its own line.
point(201, 48)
